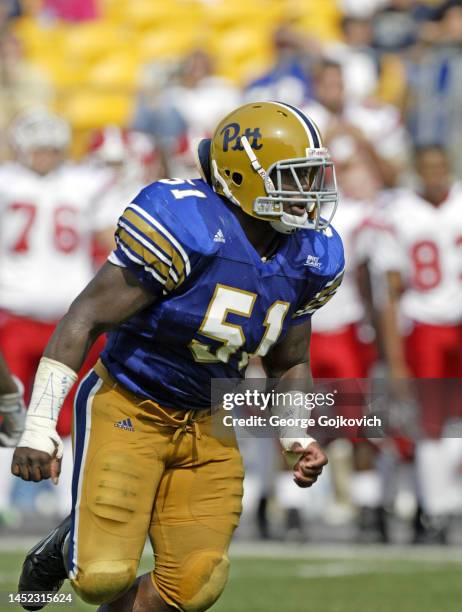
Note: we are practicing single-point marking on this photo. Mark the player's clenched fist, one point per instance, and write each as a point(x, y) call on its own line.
point(309, 467)
point(40, 449)
point(31, 464)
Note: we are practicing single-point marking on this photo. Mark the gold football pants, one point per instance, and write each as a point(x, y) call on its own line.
point(142, 469)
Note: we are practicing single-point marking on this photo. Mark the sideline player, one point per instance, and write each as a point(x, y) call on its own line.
point(12, 415)
point(11, 406)
point(338, 351)
point(131, 161)
point(420, 252)
point(205, 273)
point(47, 208)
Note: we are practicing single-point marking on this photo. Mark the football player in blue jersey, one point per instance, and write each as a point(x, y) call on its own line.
point(205, 273)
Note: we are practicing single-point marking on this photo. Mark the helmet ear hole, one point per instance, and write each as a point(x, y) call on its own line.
point(237, 178)
point(227, 172)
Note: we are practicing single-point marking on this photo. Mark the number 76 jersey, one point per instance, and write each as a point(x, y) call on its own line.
point(217, 302)
point(46, 225)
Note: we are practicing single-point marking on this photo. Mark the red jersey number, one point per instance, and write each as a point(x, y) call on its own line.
point(65, 236)
point(27, 212)
point(426, 262)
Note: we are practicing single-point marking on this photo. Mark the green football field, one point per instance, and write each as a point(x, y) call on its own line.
point(369, 581)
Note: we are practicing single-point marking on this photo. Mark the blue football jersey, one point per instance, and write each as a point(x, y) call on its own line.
point(217, 301)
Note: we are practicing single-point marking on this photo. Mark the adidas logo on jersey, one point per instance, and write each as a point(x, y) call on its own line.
point(313, 262)
point(219, 237)
point(125, 424)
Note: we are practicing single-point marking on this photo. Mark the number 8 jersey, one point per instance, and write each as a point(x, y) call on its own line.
point(217, 302)
point(424, 243)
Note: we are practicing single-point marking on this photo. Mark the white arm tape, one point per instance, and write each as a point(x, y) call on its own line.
point(288, 443)
point(52, 383)
point(293, 433)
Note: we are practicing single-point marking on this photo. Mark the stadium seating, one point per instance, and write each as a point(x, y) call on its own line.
point(89, 109)
point(107, 55)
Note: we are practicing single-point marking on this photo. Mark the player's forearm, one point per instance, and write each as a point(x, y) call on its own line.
point(295, 380)
point(72, 339)
point(300, 371)
point(55, 376)
point(392, 341)
point(291, 366)
point(364, 282)
point(112, 297)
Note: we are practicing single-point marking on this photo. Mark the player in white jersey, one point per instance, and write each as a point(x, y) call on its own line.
point(12, 410)
point(335, 348)
point(343, 343)
point(420, 252)
point(12, 416)
point(47, 207)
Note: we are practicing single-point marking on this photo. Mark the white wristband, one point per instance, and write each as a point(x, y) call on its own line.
point(293, 432)
point(52, 383)
point(287, 445)
point(42, 437)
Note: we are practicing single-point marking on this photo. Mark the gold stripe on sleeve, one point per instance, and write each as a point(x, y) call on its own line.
point(158, 239)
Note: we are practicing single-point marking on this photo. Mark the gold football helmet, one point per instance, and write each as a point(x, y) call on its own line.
point(266, 154)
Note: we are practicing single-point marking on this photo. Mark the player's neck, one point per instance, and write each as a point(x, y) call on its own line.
point(436, 197)
point(260, 234)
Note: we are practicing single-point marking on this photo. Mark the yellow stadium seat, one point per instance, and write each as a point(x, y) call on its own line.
point(240, 13)
point(92, 110)
point(37, 40)
point(62, 74)
point(113, 10)
point(147, 14)
point(241, 53)
point(392, 85)
point(143, 14)
point(239, 44)
point(322, 19)
point(241, 73)
point(116, 72)
point(323, 31)
point(91, 41)
point(168, 43)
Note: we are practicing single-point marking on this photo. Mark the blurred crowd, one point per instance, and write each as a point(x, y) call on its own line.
point(100, 97)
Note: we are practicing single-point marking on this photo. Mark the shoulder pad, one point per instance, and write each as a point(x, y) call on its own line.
point(162, 235)
point(183, 208)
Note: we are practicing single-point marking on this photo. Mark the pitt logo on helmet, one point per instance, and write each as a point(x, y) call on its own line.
point(269, 169)
point(231, 134)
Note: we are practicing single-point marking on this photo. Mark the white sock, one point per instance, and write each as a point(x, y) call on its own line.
point(366, 489)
